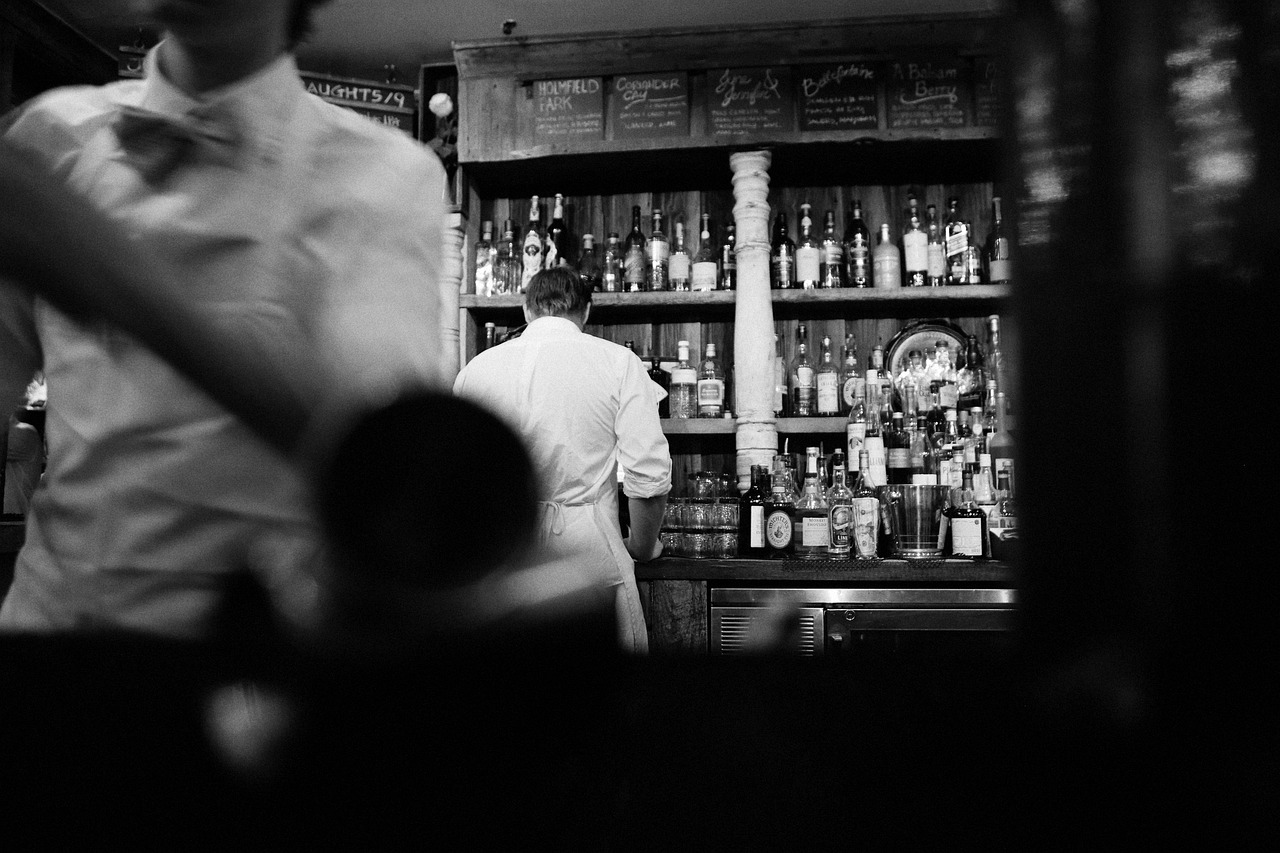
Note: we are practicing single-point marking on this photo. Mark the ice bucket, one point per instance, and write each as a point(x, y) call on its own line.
point(913, 516)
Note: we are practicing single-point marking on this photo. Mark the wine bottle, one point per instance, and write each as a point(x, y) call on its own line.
point(634, 257)
point(999, 266)
point(752, 543)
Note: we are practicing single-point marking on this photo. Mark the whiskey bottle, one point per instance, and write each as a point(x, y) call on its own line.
point(703, 275)
point(684, 385)
point(782, 256)
point(803, 380)
point(589, 263)
point(813, 526)
point(710, 386)
point(897, 447)
point(851, 377)
point(634, 257)
point(998, 257)
point(827, 382)
point(728, 260)
point(679, 264)
point(831, 266)
point(967, 524)
point(857, 249)
point(557, 243)
point(612, 278)
point(486, 261)
point(955, 237)
point(808, 255)
point(662, 379)
point(839, 514)
point(866, 511)
point(915, 247)
point(532, 245)
point(657, 257)
point(887, 259)
point(779, 519)
point(936, 249)
point(752, 543)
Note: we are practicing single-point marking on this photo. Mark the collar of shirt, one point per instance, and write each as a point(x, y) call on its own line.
point(546, 327)
point(260, 104)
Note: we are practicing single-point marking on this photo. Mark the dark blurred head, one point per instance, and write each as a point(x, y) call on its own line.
point(557, 292)
point(301, 20)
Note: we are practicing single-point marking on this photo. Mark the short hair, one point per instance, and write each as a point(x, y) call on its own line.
point(301, 19)
point(557, 292)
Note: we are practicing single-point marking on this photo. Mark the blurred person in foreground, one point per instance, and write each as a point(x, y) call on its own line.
point(584, 406)
point(302, 231)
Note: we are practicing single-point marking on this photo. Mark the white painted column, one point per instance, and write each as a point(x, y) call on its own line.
point(753, 348)
point(451, 284)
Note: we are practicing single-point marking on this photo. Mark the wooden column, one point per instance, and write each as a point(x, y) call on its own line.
point(451, 270)
point(753, 348)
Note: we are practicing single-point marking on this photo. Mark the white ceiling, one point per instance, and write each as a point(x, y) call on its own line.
point(357, 38)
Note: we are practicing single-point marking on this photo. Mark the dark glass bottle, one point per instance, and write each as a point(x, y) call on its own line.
point(660, 376)
point(634, 272)
point(779, 511)
point(752, 543)
point(857, 249)
point(897, 449)
point(728, 260)
point(967, 525)
point(782, 256)
point(832, 269)
point(557, 242)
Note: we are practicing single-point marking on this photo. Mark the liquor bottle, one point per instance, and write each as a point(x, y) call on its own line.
point(663, 380)
point(866, 511)
point(589, 263)
point(997, 369)
point(873, 441)
point(989, 409)
point(1000, 444)
point(679, 264)
point(839, 514)
point(779, 511)
point(855, 428)
point(922, 465)
point(782, 256)
point(710, 386)
point(803, 381)
point(971, 377)
point(490, 335)
point(836, 460)
point(978, 427)
point(486, 261)
point(857, 249)
point(972, 261)
point(999, 267)
point(557, 242)
point(915, 247)
point(657, 256)
point(510, 263)
point(942, 371)
point(897, 447)
point(955, 237)
point(813, 526)
point(781, 396)
point(827, 382)
point(984, 486)
point(703, 275)
point(728, 260)
point(887, 260)
point(532, 245)
point(851, 376)
point(1006, 507)
point(967, 524)
point(808, 255)
point(684, 385)
point(752, 543)
point(630, 345)
point(831, 260)
point(634, 257)
point(936, 249)
point(612, 278)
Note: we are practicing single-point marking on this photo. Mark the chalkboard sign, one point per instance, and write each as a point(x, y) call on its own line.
point(839, 96)
point(750, 100)
point(928, 93)
point(648, 106)
point(568, 109)
point(988, 100)
point(399, 119)
point(384, 103)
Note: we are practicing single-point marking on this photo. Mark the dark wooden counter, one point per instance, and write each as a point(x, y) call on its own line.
point(844, 572)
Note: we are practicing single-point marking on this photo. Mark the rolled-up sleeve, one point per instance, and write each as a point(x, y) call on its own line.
point(643, 452)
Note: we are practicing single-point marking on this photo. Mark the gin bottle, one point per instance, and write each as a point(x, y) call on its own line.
point(612, 266)
point(486, 261)
point(684, 385)
point(679, 264)
point(915, 247)
point(887, 259)
point(703, 275)
point(808, 255)
point(710, 386)
point(827, 382)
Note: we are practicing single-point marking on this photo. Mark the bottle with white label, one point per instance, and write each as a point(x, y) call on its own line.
point(779, 511)
point(873, 442)
point(684, 385)
point(657, 257)
point(710, 386)
point(828, 382)
point(486, 261)
point(866, 511)
point(808, 253)
point(886, 261)
point(752, 542)
point(703, 275)
point(915, 247)
point(936, 250)
point(839, 514)
point(803, 384)
point(998, 262)
point(679, 264)
point(813, 526)
point(532, 245)
point(967, 524)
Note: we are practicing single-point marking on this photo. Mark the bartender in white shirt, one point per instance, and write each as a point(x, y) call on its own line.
point(584, 406)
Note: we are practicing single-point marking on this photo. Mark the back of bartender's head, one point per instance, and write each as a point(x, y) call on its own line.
point(557, 292)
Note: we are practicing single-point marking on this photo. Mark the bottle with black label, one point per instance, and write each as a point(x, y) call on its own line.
point(782, 256)
point(779, 512)
point(557, 243)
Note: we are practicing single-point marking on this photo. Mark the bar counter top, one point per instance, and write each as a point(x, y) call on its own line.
point(844, 572)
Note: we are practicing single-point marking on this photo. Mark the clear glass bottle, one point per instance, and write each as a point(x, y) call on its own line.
point(839, 514)
point(866, 511)
point(1000, 444)
point(531, 245)
point(972, 261)
point(984, 486)
point(873, 440)
point(887, 260)
point(803, 378)
point(813, 526)
point(634, 256)
point(728, 260)
point(752, 542)
point(710, 386)
point(955, 237)
point(684, 385)
point(779, 511)
point(999, 265)
point(680, 264)
point(831, 266)
point(510, 263)
point(589, 263)
point(704, 273)
point(936, 249)
point(657, 257)
point(808, 254)
point(782, 256)
point(851, 376)
point(486, 261)
point(915, 247)
point(967, 524)
point(827, 382)
point(612, 278)
point(557, 243)
point(921, 452)
point(857, 249)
